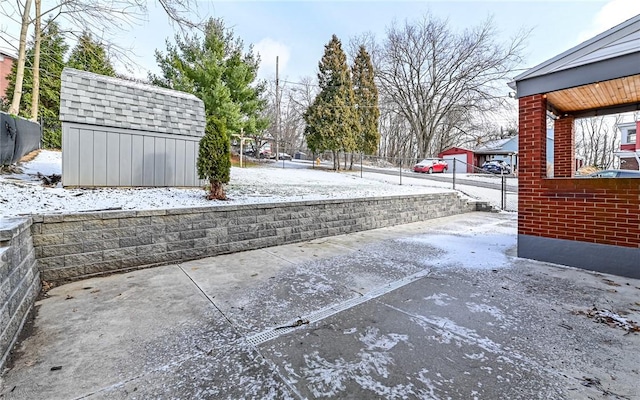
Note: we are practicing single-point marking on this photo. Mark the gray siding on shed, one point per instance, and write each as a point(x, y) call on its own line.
point(102, 156)
point(121, 133)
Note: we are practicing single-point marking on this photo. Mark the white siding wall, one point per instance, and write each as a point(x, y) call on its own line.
point(95, 156)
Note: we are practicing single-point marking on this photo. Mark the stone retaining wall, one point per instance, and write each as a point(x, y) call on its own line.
point(65, 247)
point(73, 246)
point(19, 280)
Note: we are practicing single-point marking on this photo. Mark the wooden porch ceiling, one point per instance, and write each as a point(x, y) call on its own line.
point(593, 97)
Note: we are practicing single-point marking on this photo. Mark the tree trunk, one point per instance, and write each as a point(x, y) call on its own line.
point(17, 91)
point(345, 160)
point(35, 94)
point(351, 162)
point(216, 191)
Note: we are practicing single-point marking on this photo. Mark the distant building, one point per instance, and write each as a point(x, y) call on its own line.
point(495, 150)
point(499, 150)
point(6, 62)
point(629, 152)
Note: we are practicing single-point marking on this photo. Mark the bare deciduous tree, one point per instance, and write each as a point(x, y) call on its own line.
point(396, 139)
point(439, 80)
point(295, 98)
point(596, 140)
point(15, 103)
point(35, 97)
point(104, 16)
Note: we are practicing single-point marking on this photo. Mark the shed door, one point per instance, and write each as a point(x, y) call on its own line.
point(460, 160)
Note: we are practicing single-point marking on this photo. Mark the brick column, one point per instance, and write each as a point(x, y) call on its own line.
point(532, 164)
point(564, 144)
point(532, 138)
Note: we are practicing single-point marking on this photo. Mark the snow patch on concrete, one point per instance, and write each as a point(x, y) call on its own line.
point(487, 251)
point(485, 308)
point(476, 356)
point(446, 331)
point(440, 299)
point(328, 378)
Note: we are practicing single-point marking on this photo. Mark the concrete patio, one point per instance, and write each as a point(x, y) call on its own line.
point(435, 309)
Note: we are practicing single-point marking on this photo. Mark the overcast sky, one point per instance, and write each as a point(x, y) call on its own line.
point(297, 31)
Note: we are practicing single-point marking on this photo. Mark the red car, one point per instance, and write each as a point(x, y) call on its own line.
point(431, 165)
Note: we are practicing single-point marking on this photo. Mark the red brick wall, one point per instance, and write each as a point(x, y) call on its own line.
point(564, 143)
point(605, 211)
point(5, 69)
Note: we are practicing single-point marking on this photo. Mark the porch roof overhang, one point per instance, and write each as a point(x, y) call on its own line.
point(598, 77)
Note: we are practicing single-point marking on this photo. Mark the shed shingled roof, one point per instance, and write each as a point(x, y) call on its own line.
point(93, 99)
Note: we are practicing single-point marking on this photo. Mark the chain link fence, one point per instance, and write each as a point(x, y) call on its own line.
point(500, 190)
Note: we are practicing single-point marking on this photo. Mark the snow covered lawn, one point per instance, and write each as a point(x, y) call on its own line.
point(24, 193)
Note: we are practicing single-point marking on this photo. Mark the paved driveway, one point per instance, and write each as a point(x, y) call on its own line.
point(435, 310)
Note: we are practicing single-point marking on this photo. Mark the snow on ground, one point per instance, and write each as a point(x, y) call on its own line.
point(24, 193)
point(46, 162)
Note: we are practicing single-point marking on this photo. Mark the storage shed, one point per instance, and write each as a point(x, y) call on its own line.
point(117, 132)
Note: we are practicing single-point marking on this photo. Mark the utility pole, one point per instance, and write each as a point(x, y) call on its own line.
point(277, 111)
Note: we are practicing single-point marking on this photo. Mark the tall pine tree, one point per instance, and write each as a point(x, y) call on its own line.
point(216, 69)
point(366, 97)
point(90, 55)
point(52, 52)
point(331, 119)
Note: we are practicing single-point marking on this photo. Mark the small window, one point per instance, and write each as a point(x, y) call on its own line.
point(631, 136)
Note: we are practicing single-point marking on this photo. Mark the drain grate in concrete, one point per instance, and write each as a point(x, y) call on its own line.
point(319, 315)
